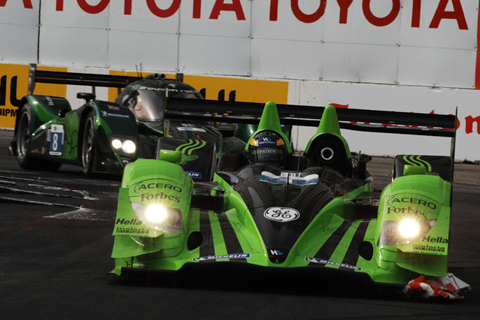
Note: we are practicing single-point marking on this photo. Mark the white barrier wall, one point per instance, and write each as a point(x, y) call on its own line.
point(405, 55)
point(409, 42)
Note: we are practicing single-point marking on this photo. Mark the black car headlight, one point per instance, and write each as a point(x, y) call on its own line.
point(403, 231)
point(159, 217)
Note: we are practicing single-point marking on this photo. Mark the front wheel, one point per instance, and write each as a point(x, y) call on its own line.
point(23, 145)
point(23, 139)
point(89, 145)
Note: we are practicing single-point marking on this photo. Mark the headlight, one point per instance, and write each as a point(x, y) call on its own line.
point(404, 231)
point(127, 146)
point(116, 143)
point(159, 217)
point(409, 228)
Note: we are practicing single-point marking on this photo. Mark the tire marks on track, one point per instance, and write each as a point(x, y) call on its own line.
point(82, 199)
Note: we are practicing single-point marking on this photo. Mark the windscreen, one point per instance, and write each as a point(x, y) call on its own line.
point(149, 104)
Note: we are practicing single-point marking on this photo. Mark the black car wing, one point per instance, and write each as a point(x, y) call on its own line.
point(73, 78)
point(82, 79)
point(353, 119)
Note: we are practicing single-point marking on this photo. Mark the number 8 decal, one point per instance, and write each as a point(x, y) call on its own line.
point(56, 140)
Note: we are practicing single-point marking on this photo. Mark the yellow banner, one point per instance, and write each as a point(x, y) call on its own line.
point(14, 85)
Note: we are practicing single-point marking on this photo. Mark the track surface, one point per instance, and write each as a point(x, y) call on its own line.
point(55, 245)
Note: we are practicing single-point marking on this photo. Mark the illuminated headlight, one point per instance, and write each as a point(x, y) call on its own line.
point(409, 228)
point(404, 231)
point(116, 143)
point(127, 146)
point(159, 217)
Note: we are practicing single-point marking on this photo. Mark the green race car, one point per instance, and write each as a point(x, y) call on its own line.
point(102, 136)
point(270, 208)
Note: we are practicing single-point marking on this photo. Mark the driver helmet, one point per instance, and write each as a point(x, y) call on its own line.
point(267, 146)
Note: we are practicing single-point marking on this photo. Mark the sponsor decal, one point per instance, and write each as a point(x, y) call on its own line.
point(266, 142)
point(426, 247)
point(443, 11)
point(224, 256)
point(192, 129)
point(275, 253)
point(188, 158)
point(407, 211)
point(145, 186)
point(159, 196)
point(106, 114)
point(151, 89)
point(194, 175)
point(49, 101)
point(281, 214)
point(332, 263)
point(128, 222)
point(150, 190)
point(421, 202)
point(434, 239)
point(55, 136)
point(265, 151)
point(188, 148)
point(8, 112)
point(132, 230)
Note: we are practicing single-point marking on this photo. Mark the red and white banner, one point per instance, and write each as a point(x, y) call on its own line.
point(407, 42)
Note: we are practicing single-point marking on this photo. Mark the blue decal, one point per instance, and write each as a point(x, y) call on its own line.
point(194, 175)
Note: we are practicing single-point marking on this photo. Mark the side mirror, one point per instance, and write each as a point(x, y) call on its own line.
point(170, 155)
point(86, 95)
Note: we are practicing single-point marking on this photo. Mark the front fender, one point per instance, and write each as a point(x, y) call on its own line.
point(413, 224)
point(148, 182)
point(43, 109)
point(111, 121)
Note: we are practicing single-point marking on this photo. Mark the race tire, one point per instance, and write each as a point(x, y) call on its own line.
point(314, 199)
point(89, 145)
point(23, 140)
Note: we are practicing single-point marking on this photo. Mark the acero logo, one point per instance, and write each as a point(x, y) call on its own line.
point(410, 200)
point(148, 185)
point(280, 214)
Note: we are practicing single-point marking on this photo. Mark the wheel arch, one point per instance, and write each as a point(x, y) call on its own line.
point(81, 127)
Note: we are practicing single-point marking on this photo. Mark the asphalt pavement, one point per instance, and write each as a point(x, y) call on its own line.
point(55, 246)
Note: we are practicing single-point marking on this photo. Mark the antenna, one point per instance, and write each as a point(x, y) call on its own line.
point(139, 70)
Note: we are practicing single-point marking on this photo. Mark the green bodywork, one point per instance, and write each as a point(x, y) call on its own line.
point(338, 237)
point(110, 119)
point(329, 125)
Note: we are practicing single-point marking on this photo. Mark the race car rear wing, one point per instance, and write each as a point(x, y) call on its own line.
point(82, 79)
point(352, 119)
point(425, 124)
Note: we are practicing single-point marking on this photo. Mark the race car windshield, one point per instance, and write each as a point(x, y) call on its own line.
point(149, 103)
